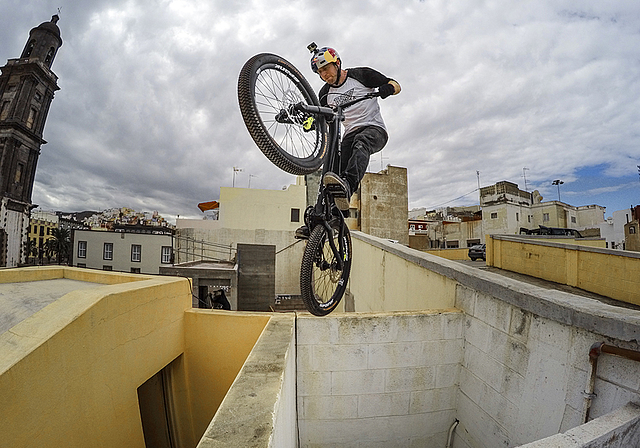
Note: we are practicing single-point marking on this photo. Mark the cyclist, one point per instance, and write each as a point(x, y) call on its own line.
point(364, 130)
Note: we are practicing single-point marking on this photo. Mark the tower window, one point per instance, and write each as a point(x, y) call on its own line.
point(49, 58)
point(4, 110)
point(32, 118)
point(29, 49)
point(19, 170)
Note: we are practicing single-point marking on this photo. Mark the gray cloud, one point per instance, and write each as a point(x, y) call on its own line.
point(147, 114)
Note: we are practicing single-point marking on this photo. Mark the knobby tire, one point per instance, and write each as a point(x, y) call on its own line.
point(322, 283)
point(267, 86)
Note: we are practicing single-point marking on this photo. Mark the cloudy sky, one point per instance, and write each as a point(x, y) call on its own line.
point(147, 116)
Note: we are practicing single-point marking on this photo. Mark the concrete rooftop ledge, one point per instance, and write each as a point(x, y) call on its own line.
point(249, 413)
point(570, 309)
point(537, 239)
point(617, 429)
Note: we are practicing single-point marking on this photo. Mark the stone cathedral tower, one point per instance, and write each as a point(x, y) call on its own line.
point(27, 86)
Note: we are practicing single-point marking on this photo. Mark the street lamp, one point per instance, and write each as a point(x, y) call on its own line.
point(235, 170)
point(557, 182)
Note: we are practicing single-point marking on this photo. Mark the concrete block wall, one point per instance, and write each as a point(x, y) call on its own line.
point(369, 380)
point(523, 375)
point(525, 358)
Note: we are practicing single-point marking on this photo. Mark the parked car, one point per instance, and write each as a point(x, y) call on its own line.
point(478, 251)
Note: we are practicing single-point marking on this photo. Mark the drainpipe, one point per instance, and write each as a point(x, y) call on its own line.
point(594, 353)
point(453, 426)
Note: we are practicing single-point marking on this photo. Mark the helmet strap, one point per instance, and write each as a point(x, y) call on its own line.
point(339, 67)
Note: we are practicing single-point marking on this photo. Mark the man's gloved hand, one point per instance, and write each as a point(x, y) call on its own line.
point(386, 90)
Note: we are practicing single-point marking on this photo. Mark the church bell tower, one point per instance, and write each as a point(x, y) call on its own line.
point(27, 86)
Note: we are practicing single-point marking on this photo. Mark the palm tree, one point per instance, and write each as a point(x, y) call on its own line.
point(60, 243)
point(30, 248)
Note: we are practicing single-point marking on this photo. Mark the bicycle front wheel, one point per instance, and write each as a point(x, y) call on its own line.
point(268, 86)
point(322, 281)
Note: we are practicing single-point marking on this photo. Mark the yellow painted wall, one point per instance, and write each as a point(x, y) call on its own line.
point(217, 343)
point(609, 273)
point(382, 281)
point(69, 373)
point(251, 208)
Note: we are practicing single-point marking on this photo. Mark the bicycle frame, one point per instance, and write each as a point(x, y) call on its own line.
point(322, 211)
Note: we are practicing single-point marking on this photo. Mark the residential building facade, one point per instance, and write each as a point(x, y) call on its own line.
point(505, 209)
point(41, 229)
point(136, 250)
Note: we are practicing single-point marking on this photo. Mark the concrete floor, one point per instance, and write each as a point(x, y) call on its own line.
point(18, 301)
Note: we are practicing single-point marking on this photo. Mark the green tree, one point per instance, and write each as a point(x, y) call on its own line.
point(60, 244)
point(30, 249)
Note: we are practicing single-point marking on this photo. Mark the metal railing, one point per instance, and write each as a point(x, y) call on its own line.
point(189, 249)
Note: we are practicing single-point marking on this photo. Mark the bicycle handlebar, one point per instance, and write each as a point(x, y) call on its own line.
point(332, 111)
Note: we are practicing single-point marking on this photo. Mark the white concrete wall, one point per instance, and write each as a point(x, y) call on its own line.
point(285, 422)
point(369, 380)
point(525, 360)
point(16, 225)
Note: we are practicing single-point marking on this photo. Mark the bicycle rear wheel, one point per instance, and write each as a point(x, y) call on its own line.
point(293, 141)
point(322, 282)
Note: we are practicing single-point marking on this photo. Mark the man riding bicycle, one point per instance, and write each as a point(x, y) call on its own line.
point(364, 129)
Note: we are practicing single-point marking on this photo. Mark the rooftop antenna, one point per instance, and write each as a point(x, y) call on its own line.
point(524, 174)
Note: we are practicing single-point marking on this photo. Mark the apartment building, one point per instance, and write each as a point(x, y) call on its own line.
point(136, 249)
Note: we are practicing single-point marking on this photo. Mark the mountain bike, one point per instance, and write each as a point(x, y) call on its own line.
point(285, 120)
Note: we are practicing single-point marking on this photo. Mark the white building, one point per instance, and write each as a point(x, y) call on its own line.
point(613, 228)
point(122, 250)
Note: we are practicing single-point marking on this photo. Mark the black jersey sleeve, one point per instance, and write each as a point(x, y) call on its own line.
point(368, 76)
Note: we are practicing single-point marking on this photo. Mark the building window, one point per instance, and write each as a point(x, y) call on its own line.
point(107, 268)
point(32, 118)
point(494, 215)
point(107, 253)
point(529, 218)
point(166, 255)
point(135, 270)
point(82, 249)
point(573, 219)
point(41, 230)
point(81, 265)
point(136, 252)
point(49, 56)
point(517, 216)
point(4, 110)
point(632, 229)
point(29, 49)
point(19, 169)
point(545, 217)
point(295, 215)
